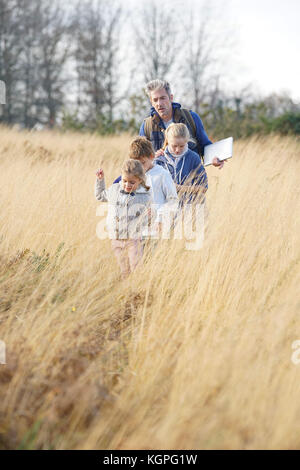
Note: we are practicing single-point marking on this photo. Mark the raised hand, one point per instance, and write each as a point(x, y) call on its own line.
point(159, 152)
point(100, 174)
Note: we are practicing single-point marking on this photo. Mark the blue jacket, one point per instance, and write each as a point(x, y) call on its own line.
point(157, 136)
point(183, 168)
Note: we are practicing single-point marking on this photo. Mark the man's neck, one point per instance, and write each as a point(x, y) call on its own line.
point(167, 118)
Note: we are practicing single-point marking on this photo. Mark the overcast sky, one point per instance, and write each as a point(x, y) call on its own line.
point(266, 34)
point(269, 43)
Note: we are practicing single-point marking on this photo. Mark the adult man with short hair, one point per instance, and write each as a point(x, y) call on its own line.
point(163, 112)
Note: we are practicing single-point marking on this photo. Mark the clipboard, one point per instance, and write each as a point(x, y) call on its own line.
point(223, 149)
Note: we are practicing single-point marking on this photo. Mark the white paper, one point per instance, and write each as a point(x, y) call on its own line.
point(221, 149)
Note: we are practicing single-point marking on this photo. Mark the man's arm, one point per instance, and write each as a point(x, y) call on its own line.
point(201, 135)
point(203, 139)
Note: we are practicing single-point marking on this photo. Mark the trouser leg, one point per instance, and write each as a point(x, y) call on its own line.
point(135, 253)
point(120, 251)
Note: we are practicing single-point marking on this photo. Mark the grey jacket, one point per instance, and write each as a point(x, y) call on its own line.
point(127, 212)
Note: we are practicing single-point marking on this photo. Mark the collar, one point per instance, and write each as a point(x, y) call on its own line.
point(139, 189)
point(125, 192)
point(177, 157)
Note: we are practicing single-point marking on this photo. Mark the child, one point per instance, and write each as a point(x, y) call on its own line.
point(184, 165)
point(129, 201)
point(163, 188)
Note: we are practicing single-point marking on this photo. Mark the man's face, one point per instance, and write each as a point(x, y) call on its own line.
point(162, 103)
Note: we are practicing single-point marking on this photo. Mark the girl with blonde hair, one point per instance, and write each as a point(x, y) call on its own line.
point(184, 165)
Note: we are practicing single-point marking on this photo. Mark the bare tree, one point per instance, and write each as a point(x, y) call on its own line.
point(53, 51)
point(205, 48)
point(33, 51)
point(28, 64)
point(10, 51)
point(156, 39)
point(96, 54)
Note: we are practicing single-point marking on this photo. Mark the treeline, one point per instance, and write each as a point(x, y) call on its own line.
point(83, 65)
point(53, 57)
point(243, 117)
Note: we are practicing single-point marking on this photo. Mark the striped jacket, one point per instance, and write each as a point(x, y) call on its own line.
point(127, 216)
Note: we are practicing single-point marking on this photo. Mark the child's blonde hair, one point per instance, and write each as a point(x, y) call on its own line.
point(141, 147)
point(135, 168)
point(176, 130)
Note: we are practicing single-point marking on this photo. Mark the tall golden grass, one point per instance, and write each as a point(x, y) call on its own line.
point(192, 351)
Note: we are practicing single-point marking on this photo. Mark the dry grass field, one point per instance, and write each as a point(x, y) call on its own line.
point(192, 351)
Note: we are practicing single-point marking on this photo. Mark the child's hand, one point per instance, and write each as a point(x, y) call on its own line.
point(159, 152)
point(100, 174)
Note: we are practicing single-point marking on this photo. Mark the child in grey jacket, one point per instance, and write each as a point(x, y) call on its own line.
point(128, 211)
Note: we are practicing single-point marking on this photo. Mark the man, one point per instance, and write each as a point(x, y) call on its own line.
point(163, 112)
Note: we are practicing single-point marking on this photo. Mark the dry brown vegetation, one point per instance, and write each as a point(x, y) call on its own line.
point(192, 351)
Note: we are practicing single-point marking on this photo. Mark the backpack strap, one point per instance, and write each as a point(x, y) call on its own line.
point(191, 124)
point(184, 112)
point(189, 118)
point(148, 127)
